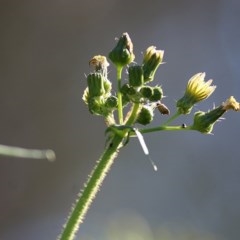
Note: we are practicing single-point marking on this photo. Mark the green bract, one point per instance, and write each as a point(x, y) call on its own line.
point(135, 76)
point(122, 54)
point(204, 121)
point(151, 61)
point(145, 116)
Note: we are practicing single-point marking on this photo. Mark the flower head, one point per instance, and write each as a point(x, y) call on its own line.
point(197, 90)
point(100, 64)
point(151, 60)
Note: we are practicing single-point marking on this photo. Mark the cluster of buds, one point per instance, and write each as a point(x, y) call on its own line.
point(98, 95)
point(137, 91)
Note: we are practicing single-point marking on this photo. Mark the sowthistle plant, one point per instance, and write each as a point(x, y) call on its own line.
point(141, 99)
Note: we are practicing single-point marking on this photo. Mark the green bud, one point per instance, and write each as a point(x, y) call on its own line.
point(122, 54)
point(101, 106)
point(131, 91)
point(157, 94)
point(146, 91)
point(95, 105)
point(204, 121)
point(151, 61)
point(145, 116)
point(98, 85)
point(128, 90)
point(107, 86)
point(135, 76)
point(95, 84)
point(111, 102)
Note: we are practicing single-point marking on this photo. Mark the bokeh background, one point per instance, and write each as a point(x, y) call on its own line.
point(45, 47)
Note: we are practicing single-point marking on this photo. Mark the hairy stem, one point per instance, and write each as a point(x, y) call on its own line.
point(91, 188)
point(133, 114)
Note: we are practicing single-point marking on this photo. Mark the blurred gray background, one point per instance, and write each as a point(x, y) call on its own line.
point(45, 47)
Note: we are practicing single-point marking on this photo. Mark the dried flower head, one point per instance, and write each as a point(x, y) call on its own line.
point(100, 64)
point(231, 103)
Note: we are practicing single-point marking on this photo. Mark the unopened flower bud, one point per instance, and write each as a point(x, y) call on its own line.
point(95, 106)
point(157, 94)
point(98, 85)
point(95, 84)
point(151, 61)
point(135, 76)
point(122, 54)
point(197, 90)
point(107, 86)
point(146, 91)
point(128, 90)
point(111, 102)
point(145, 116)
point(204, 121)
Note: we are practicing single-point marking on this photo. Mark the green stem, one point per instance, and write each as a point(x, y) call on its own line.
point(164, 128)
point(119, 94)
point(133, 114)
point(91, 188)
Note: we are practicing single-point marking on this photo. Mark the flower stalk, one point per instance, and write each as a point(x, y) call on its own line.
point(92, 186)
point(143, 99)
point(119, 94)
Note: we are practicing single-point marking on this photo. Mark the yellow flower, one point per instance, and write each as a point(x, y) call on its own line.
point(150, 52)
point(196, 91)
point(199, 89)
